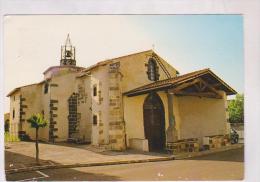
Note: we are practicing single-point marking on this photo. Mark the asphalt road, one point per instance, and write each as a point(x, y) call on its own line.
point(227, 165)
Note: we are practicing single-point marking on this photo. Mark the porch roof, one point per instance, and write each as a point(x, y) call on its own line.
point(205, 75)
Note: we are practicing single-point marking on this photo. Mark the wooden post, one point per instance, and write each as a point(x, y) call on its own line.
point(171, 129)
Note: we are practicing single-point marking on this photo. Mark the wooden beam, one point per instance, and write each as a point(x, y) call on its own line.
point(198, 88)
point(201, 94)
point(216, 84)
point(182, 86)
point(210, 87)
point(200, 85)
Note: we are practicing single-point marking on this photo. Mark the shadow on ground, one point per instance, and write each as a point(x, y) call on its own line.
point(74, 175)
point(236, 155)
point(14, 160)
point(107, 152)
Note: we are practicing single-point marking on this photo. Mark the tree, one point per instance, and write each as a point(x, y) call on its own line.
point(236, 109)
point(37, 121)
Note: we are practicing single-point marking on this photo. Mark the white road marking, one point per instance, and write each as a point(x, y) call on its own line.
point(43, 174)
point(33, 179)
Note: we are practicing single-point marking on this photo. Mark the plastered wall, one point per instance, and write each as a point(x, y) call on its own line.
point(14, 105)
point(33, 105)
point(201, 117)
point(100, 104)
point(134, 71)
point(84, 107)
point(63, 89)
point(133, 115)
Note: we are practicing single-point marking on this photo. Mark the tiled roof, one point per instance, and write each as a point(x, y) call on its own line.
point(18, 88)
point(108, 61)
point(64, 66)
point(167, 83)
point(101, 63)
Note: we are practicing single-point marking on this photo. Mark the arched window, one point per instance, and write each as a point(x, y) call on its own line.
point(152, 70)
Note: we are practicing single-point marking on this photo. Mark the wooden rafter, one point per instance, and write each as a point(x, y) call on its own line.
point(210, 87)
point(184, 85)
point(200, 86)
point(199, 94)
point(216, 85)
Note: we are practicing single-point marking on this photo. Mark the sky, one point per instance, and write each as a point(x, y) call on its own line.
point(188, 42)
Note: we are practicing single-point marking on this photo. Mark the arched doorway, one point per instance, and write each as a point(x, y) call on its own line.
point(154, 122)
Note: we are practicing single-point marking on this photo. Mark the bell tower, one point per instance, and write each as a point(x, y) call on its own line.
point(67, 54)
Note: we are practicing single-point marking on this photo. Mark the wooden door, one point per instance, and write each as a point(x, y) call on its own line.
point(154, 122)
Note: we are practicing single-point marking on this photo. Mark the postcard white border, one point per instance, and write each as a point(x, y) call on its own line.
point(250, 9)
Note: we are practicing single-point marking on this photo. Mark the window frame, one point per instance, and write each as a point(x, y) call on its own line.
point(152, 70)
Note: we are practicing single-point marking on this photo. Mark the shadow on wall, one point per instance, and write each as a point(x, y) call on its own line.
point(14, 160)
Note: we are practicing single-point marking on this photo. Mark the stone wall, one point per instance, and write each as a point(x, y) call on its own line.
point(73, 116)
point(116, 123)
point(82, 87)
point(23, 107)
point(53, 120)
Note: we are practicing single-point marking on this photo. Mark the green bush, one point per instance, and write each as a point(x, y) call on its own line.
point(11, 138)
point(236, 109)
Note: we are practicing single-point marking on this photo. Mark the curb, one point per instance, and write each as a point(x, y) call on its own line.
point(207, 152)
point(35, 168)
point(173, 157)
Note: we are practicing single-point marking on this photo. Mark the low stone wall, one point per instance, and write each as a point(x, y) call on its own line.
point(215, 141)
point(185, 145)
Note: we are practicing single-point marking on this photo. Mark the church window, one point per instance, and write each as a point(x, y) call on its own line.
point(46, 87)
point(94, 90)
point(152, 70)
point(13, 113)
point(94, 119)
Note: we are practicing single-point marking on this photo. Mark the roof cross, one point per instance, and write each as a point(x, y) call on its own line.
point(68, 43)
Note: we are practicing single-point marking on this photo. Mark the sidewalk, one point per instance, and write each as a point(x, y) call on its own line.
point(206, 152)
point(20, 156)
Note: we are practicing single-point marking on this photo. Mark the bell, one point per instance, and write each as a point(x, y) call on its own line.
point(68, 53)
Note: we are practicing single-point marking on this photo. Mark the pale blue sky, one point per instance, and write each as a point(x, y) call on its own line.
point(198, 41)
point(187, 42)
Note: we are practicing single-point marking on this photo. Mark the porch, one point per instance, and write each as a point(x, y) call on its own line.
point(188, 106)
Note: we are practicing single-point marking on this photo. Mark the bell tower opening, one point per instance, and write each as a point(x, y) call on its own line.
point(68, 54)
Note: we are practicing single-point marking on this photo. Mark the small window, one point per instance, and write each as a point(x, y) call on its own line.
point(94, 119)
point(13, 113)
point(152, 70)
point(95, 90)
point(14, 97)
point(46, 87)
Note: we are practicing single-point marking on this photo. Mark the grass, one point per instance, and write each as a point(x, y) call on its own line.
point(11, 138)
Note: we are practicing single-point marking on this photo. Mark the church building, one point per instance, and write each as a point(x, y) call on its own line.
point(134, 101)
